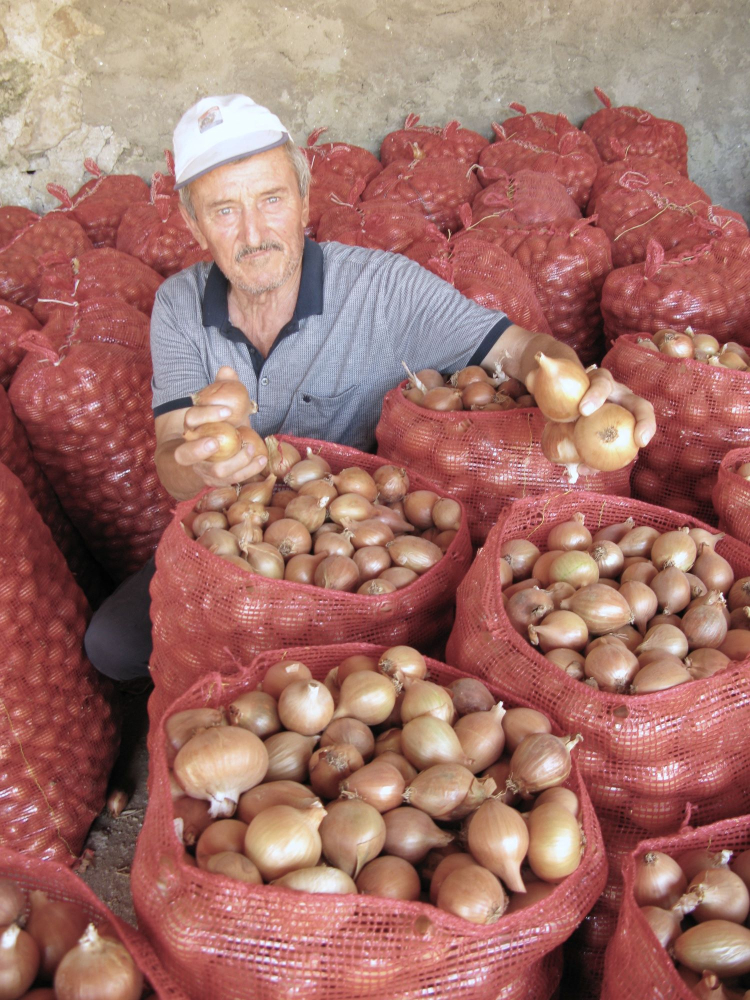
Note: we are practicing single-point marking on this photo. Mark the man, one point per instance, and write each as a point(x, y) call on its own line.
point(317, 333)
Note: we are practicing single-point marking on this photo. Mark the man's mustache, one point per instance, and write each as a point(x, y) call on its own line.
point(248, 251)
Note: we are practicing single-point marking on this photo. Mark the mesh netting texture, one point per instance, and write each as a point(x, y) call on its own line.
point(731, 495)
point(94, 275)
point(58, 738)
point(702, 412)
point(637, 966)
point(19, 267)
point(14, 218)
point(436, 186)
point(206, 613)
point(649, 168)
point(341, 157)
point(485, 460)
point(642, 133)
point(99, 204)
point(525, 198)
point(216, 937)
point(376, 226)
point(86, 407)
point(14, 322)
point(537, 126)
point(418, 142)
point(707, 289)
point(59, 883)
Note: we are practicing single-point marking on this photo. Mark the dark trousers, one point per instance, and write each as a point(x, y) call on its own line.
point(118, 639)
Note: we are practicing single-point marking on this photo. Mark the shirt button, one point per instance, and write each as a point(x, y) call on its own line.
point(264, 381)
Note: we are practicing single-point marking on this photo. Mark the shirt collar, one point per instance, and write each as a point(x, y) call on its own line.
point(309, 297)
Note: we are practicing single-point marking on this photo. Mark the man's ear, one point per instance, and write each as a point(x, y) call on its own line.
point(306, 209)
point(192, 225)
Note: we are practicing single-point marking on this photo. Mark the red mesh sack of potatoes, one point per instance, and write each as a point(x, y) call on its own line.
point(277, 943)
point(484, 272)
point(15, 453)
point(205, 612)
point(417, 142)
point(19, 267)
point(642, 133)
point(731, 495)
point(567, 263)
point(559, 154)
point(59, 883)
point(436, 186)
point(526, 198)
point(98, 206)
point(485, 460)
point(14, 218)
point(58, 738)
point(340, 158)
point(376, 226)
point(707, 289)
point(702, 412)
point(94, 275)
point(156, 233)
point(14, 322)
point(86, 407)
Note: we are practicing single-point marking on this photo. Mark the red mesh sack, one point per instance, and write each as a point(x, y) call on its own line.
point(335, 947)
point(418, 142)
point(484, 272)
point(327, 190)
point(434, 186)
point(98, 205)
point(60, 883)
point(731, 495)
point(19, 267)
point(526, 198)
point(341, 158)
point(15, 453)
point(537, 126)
point(707, 289)
point(14, 218)
point(702, 412)
point(558, 154)
point(94, 275)
point(58, 738)
point(14, 322)
point(566, 263)
point(639, 131)
point(485, 460)
point(656, 172)
point(376, 226)
point(86, 407)
point(205, 612)
point(637, 966)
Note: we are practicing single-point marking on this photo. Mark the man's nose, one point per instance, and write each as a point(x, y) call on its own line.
point(253, 226)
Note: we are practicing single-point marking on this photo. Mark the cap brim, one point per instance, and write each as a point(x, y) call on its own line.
point(229, 152)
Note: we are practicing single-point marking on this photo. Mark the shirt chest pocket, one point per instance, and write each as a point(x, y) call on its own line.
point(329, 418)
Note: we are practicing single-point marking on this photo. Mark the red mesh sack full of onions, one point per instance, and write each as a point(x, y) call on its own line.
point(526, 198)
point(340, 157)
point(419, 142)
point(376, 226)
point(14, 322)
point(436, 186)
point(85, 405)
point(58, 738)
point(642, 133)
point(654, 171)
point(277, 941)
point(19, 268)
point(14, 218)
point(227, 612)
point(731, 495)
point(56, 931)
point(682, 928)
point(707, 289)
point(702, 412)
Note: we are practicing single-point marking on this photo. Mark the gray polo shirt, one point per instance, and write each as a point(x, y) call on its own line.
point(359, 314)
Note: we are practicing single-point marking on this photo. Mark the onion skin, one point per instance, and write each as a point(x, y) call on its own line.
point(317, 879)
point(98, 967)
point(499, 840)
point(555, 842)
point(715, 894)
point(353, 833)
point(282, 839)
point(390, 878)
point(604, 440)
point(521, 722)
point(288, 756)
point(219, 764)
point(448, 791)
point(601, 608)
point(19, 961)
point(280, 674)
point(473, 893)
point(717, 946)
point(255, 711)
point(305, 707)
point(275, 793)
point(482, 736)
point(448, 864)
point(470, 695)
point(350, 731)
point(378, 783)
point(665, 924)
point(233, 865)
point(659, 880)
point(560, 629)
point(558, 385)
point(223, 835)
point(540, 761)
point(410, 834)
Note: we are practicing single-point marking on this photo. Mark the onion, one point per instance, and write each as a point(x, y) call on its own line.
point(540, 761)
point(219, 542)
point(574, 567)
point(448, 791)
point(527, 607)
point(521, 555)
point(535, 892)
point(712, 569)
point(403, 659)
point(305, 707)
point(353, 833)
point(664, 639)
point(611, 667)
point(281, 674)
point(98, 967)
point(227, 437)
point(219, 764)
point(665, 924)
point(331, 544)
point(604, 439)
point(12, 902)
point(288, 536)
point(390, 740)
point(558, 592)
point(375, 588)
point(211, 519)
point(417, 554)
point(350, 731)
point(190, 815)
point(426, 741)
point(601, 608)
point(392, 483)
point(555, 842)
point(366, 696)
point(389, 877)
point(265, 560)
point(407, 771)
point(638, 541)
point(182, 726)
point(558, 386)
point(705, 663)
point(281, 456)
point(481, 736)
point(321, 490)
point(674, 548)
point(223, 835)
point(288, 756)
point(560, 629)
point(715, 894)
point(356, 480)
point(498, 840)
point(737, 644)
point(217, 499)
point(614, 532)
point(568, 660)
point(259, 493)
point(379, 784)
point(19, 961)
point(499, 772)
point(235, 866)
point(275, 793)
point(442, 398)
point(447, 864)
point(540, 570)
point(639, 570)
point(306, 471)
point(426, 698)
point(741, 866)
point(642, 601)
point(470, 695)
point(255, 711)
point(739, 594)
point(282, 498)
point(371, 561)
point(717, 946)
point(331, 765)
point(658, 676)
point(659, 880)
point(572, 534)
point(282, 839)
point(473, 893)
point(560, 796)
point(705, 626)
point(318, 879)
point(311, 513)
point(55, 927)
point(410, 834)
point(429, 377)
point(399, 576)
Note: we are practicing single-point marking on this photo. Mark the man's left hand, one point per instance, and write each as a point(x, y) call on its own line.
point(604, 389)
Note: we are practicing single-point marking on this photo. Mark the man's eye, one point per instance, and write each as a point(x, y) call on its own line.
point(225, 211)
point(273, 199)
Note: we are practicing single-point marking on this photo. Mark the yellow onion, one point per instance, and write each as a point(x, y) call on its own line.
point(713, 569)
point(333, 544)
point(659, 676)
point(540, 761)
point(499, 772)
point(417, 554)
point(330, 765)
point(521, 555)
point(223, 835)
point(614, 532)
point(717, 946)
point(98, 966)
point(227, 437)
point(392, 483)
point(540, 570)
point(705, 626)
point(426, 741)
point(608, 557)
point(371, 561)
point(366, 696)
point(402, 765)
point(665, 924)
point(470, 695)
point(736, 645)
point(574, 567)
point(305, 472)
point(283, 673)
point(410, 834)
point(220, 498)
point(210, 519)
point(320, 878)
point(12, 902)
point(389, 877)
point(447, 864)
point(739, 594)
point(560, 796)
point(288, 756)
point(337, 573)
point(378, 783)
point(275, 793)
point(572, 534)
point(482, 736)
point(560, 629)
point(604, 439)
point(558, 386)
point(601, 608)
point(473, 893)
point(442, 398)
point(352, 834)
point(182, 726)
point(535, 892)
point(664, 639)
point(567, 660)
point(281, 456)
point(403, 659)
point(638, 541)
point(350, 731)
point(498, 840)
point(674, 548)
point(219, 542)
point(448, 791)
point(715, 894)
point(706, 662)
point(659, 880)
point(356, 480)
point(425, 698)
point(558, 447)
point(255, 711)
point(611, 667)
point(305, 707)
point(642, 601)
point(639, 569)
point(235, 866)
point(281, 839)
point(219, 764)
point(399, 576)
point(700, 859)
point(555, 842)
point(56, 927)
point(528, 607)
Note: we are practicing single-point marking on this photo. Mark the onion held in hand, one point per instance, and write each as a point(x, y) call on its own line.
point(230, 393)
point(604, 439)
point(227, 437)
point(558, 386)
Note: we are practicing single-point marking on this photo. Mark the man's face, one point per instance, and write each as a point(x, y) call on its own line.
point(252, 218)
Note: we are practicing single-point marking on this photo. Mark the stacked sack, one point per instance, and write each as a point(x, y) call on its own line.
point(731, 495)
point(20, 270)
point(14, 322)
point(643, 134)
point(339, 174)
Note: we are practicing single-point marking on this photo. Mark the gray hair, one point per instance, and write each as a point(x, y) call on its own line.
point(299, 164)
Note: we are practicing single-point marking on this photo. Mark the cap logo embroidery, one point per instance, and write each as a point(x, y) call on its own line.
point(210, 118)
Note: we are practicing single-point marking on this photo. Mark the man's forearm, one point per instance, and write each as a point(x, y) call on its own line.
point(516, 349)
point(181, 481)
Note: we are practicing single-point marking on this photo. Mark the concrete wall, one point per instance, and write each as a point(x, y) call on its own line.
point(109, 78)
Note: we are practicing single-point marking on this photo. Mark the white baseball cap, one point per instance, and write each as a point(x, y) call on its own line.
point(219, 130)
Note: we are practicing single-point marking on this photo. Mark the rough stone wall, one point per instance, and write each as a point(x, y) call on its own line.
point(109, 78)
